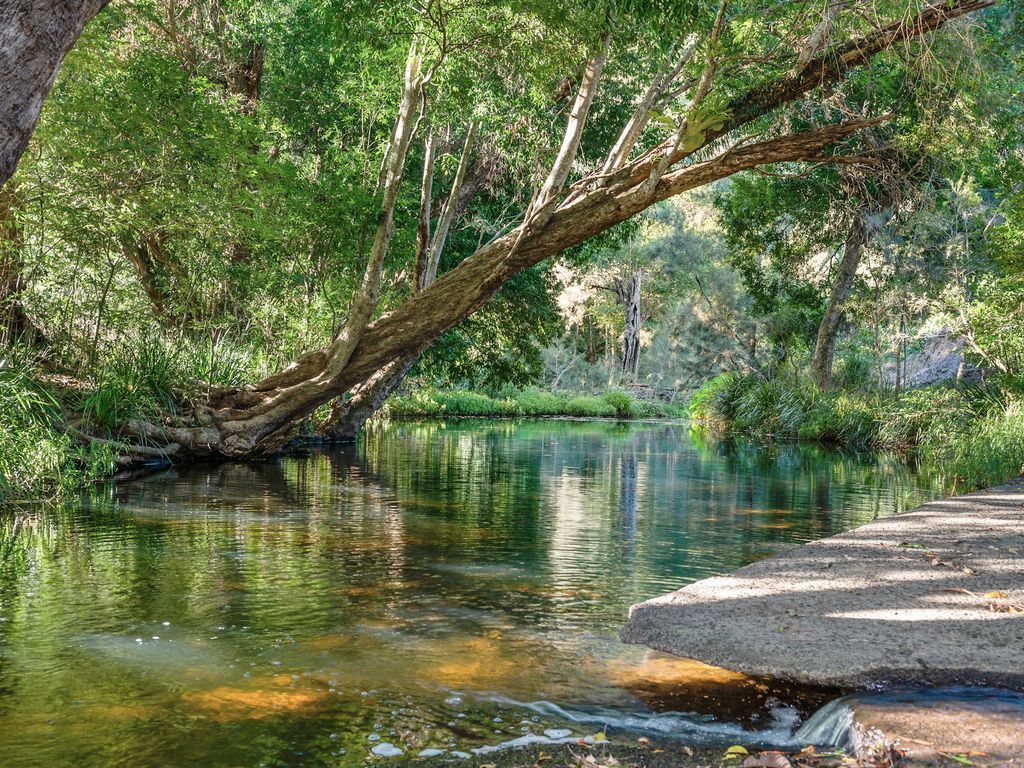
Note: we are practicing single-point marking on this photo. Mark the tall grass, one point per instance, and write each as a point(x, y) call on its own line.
point(511, 403)
point(133, 383)
point(38, 457)
point(970, 438)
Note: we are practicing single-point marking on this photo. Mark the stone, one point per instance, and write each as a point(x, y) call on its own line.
point(924, 597)
point(385, 749)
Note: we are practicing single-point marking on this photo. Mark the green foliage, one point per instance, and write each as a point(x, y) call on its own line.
point(983, 451)
point(135, 383)
point(530, 402)
point(38, 457)
point(970, 437)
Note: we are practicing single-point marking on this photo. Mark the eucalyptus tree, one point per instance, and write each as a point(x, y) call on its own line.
point(718, 102)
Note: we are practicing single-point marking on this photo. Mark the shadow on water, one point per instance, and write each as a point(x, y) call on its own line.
point(437, 586)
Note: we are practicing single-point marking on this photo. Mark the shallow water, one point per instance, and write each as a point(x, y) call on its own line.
point(441, 585)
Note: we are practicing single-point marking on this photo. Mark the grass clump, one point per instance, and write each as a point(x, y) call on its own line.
point(38, 457)
point(132, 384)
point(511, 402)
point(990, 452)
point(969, 437)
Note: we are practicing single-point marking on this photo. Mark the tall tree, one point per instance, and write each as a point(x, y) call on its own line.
point(723, 98)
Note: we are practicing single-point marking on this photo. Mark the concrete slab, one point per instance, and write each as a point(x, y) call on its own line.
point(934, 596)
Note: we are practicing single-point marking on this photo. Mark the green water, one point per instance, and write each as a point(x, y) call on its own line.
point(439, 585)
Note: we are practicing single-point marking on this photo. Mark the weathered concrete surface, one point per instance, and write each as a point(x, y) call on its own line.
point(884, 603)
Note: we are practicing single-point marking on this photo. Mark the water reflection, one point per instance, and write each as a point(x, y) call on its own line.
point(429, 589)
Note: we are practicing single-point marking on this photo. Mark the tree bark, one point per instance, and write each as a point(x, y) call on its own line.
point(349, 416)
point(628, 292)
point(448, 213)
point(426, 202)
point(865, 225)
point(35, 36)
point(15, 324)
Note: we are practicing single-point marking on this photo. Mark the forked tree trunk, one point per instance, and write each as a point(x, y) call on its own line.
point(864, 226)
point(628, 292)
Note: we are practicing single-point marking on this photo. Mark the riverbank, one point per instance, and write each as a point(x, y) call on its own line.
point(929, 597)
point(516, 403)
point(61, 433)
point(971, 437)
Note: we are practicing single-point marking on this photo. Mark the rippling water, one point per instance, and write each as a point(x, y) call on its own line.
point(438, 586)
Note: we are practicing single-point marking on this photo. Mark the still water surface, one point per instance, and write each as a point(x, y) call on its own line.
point(441, 586)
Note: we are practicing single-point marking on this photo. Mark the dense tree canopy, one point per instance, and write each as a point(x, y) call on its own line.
point(256, 188)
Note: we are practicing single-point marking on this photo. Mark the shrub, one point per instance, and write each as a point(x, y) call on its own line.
point(589, 406)
point(621, 402)
point(713, 397)
point(38, 457)
point(535, 402)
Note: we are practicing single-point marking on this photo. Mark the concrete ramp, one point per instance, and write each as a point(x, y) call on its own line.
point(934, 596)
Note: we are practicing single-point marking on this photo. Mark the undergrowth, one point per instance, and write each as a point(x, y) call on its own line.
point(39, 457)
point(970, 437)
point(512, 403)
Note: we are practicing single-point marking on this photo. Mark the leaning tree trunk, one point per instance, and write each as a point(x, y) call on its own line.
point(628, 292)
point(35, 35)
point(865, 225)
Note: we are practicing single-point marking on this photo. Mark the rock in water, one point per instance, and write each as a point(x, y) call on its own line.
point(557, 733)
point(384, 749)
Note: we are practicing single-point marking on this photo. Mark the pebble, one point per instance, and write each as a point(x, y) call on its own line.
point(430, 752)
point(557, 733)
point(374, 737)
point(384, 749)
point(457, 753)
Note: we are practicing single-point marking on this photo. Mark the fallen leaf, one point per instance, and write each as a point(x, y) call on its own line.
point(735, 751)
point(997, 595)
point(688, 751)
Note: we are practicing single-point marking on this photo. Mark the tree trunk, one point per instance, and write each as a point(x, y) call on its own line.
point(15, 324)
point(258, 419)
point(628, 292)
point(865, 225)
point(349, 416)
point(35, 35)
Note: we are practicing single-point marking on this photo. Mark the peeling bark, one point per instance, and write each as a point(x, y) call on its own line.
point(628, 293)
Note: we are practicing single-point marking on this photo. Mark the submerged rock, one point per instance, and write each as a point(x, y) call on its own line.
point(384, 749)
point(557, 733)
